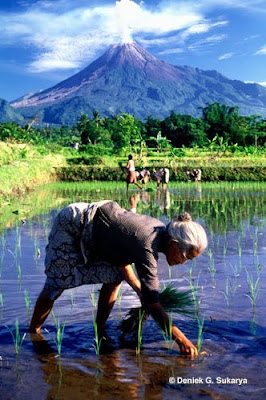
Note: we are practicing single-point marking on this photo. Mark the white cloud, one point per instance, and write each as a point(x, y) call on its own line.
point(206, 42)
point(171, 51)
point(261, 51)
point(225, 56)
point(249, 5)
point(201, 28)
point(64, 34)
point(259, 83)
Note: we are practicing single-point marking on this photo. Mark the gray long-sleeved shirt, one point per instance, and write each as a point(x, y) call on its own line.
point(122, 237)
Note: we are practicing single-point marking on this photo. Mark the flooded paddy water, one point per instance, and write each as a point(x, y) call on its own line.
point(228, 280)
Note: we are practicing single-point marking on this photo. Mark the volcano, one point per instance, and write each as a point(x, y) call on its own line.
point(127, 78)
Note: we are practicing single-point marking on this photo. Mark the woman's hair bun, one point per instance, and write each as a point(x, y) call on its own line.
point(184, 217)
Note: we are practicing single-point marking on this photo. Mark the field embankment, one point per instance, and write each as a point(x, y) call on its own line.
point(178, 174)
point(23, 166)
point(215, 167)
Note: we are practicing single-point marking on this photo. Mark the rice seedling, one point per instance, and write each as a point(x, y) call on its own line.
point(239, 247)
point(92, 298)
point(3, 240)
point(72, 299)
point(168, 334)
point(139, 337)
point(97, 340)
point(17, 339)
point(1, 300)
point(37, 251)
point(18, 239)
point(229, 292)
point(119, 296)
point(60, 329)
point(169, 273)
point(235, 270)
point(254, 287)
point(200, 333)
point(224, 248)
point(27, 301)
point(194, 286)
point(255, 247)
point(170, 299)
point(211, 267)
point(19, 273)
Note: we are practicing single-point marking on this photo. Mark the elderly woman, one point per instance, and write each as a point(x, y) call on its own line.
point(97, 242)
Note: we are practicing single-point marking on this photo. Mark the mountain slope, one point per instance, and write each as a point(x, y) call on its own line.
point(8, 114)
point(127, 78)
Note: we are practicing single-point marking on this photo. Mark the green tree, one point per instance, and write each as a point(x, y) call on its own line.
point(183, 130)
point(126, 133)
point(222, 121)
point(151, 129)
point(82, 127)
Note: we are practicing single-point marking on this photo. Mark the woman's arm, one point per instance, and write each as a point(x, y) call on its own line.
point(131, 278)
point(157, 311)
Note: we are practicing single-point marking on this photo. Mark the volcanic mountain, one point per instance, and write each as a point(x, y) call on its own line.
point(127, 78)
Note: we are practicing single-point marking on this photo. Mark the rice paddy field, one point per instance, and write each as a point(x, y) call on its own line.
point(227, 283)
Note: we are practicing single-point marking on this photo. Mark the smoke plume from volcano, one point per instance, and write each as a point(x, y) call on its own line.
point(123, 8)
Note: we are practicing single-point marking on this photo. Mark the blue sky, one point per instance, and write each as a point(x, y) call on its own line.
point(45, 41)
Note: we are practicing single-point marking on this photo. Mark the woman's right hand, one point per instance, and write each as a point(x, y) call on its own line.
point(187, 348)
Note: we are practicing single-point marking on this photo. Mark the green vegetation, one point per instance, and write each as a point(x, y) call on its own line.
point(200, 333)
point(60, 329)
point(225, 145)
point(219, 127)
point(23, 166)
point(17, 340)
point(172, 301)
point(139, 336)
point(97, 339)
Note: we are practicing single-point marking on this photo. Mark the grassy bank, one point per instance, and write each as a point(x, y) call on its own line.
point(22, 167)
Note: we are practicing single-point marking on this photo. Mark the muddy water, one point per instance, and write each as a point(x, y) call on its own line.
point(233, 365)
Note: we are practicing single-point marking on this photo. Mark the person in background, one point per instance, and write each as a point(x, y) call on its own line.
point(133, 202)
point(197, 175)
point(163, 200)
point(144, 176)
point(98, 242)
point(131, 175)
point(162, 177)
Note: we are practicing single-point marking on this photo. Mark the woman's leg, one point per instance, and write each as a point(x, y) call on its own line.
point(107, 298)
point(42, 309)
point(138, 185)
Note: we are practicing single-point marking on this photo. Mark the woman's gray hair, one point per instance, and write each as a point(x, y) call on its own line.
point(188, 233)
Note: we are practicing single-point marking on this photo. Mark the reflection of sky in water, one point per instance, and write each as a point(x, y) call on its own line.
point(234, 331)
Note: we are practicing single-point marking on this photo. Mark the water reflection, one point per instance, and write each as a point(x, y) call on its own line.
point(234, 215)
point(115, 374)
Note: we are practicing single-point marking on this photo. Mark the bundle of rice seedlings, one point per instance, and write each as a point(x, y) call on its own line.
point(170, 299)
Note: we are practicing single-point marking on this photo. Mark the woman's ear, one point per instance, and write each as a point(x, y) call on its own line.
point(174, 244)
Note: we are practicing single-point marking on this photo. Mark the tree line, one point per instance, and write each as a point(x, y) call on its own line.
point(219, 124)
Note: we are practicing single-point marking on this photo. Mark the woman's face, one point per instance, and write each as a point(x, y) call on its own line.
point(176, 255)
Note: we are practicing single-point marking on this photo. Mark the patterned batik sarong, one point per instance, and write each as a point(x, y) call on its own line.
point(67, 261)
